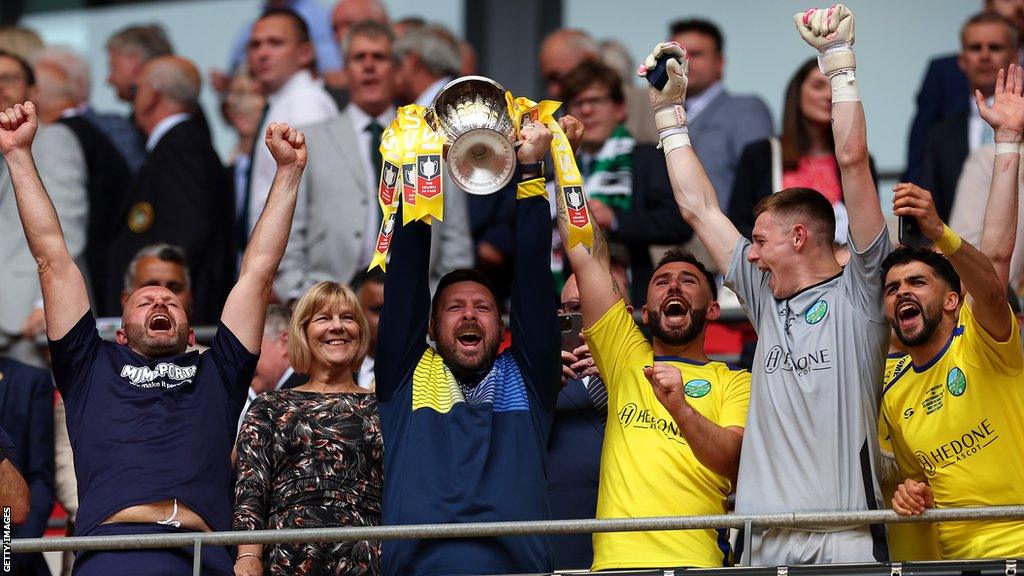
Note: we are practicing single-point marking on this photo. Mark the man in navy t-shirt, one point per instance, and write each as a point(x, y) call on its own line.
point(152, 426)
point(466, 428)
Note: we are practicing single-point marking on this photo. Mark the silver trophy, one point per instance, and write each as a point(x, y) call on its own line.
point(471, 115)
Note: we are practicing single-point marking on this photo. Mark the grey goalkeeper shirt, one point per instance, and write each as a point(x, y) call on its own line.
point(810, 441)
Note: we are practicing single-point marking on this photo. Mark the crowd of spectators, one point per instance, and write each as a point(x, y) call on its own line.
point(329, 395)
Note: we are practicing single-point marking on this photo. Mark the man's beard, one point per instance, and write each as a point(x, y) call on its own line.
point(468, 371)
point(930, 320)
point(151, 347)
point(677, 336)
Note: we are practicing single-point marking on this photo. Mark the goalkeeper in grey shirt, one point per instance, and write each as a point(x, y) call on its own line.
point(822, 334)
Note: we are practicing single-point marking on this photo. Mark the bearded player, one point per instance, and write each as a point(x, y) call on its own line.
point(955, 410)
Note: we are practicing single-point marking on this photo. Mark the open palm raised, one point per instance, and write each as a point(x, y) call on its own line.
point(18, 127)
point(1006, 115)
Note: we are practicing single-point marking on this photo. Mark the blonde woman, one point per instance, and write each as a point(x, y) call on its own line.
point(312, 456)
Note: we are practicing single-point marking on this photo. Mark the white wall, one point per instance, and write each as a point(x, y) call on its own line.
point(895, 39)
point(201, 30)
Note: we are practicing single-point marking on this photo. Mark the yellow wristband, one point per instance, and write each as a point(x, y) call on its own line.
point(530, 188)
point(949, 242)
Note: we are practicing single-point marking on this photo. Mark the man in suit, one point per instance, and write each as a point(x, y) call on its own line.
point(26, 414)
point(723, 123)
point(281, 60)
point(565, 49)
point(988, 43)
point(62, 78)
point(182, 195)
point(945, 91)
point(61, 164)
point(630, 194)
point(338, 217)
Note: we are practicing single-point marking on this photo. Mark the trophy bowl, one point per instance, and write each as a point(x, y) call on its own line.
point(471, 115)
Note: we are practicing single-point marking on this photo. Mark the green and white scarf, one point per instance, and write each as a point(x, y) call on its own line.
point(611, 176)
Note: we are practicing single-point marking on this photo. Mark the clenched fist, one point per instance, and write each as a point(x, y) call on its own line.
point(535, 141)
point(287, 145)
point(830, 32)
point(674, 91)
point(18, 127)
point(667, 382)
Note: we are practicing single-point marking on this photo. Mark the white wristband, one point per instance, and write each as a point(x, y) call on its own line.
point(670, 142)
point(1007, 148)
point(844, 87)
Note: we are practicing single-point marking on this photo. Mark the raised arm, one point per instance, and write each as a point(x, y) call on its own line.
point(65, 297)
point(1006, 116)
point(830, 32)
point(693, 191)
point(246, 305)
point(979, 277)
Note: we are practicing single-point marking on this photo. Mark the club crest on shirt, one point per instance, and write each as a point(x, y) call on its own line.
point(697, 388)
point(140, 217)
point(956, 382)
point(816, 312)
point(163, 375)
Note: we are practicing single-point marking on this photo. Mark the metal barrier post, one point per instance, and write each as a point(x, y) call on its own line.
point(197, 558)
point(748, 538)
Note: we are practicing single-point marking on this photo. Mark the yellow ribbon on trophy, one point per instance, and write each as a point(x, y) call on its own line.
point(388, 194)
point(567, 174)
point(422, 166)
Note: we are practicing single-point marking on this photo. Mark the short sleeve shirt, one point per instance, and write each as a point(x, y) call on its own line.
point(146, 430)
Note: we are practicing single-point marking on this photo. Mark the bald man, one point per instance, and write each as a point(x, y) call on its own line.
point(182, 195)
point(565, 49)
point(349, 12)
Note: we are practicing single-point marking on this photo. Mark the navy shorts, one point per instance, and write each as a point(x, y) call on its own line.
point(151, 562)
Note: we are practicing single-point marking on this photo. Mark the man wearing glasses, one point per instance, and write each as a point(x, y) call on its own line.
point(627, 182)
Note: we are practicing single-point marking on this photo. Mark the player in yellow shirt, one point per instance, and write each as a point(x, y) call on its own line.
point(907, 541)
point(675, 418)
point(956, 410)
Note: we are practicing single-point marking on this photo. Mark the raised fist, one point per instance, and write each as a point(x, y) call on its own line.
point(573, 129)
point(674, 91)
point(667, 382)
point(287, 145)
point(18, 127)
point(830, 32)
point(535, 139)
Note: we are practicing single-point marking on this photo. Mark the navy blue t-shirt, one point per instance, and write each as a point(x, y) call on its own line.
point(457, 456)
point(151, 430)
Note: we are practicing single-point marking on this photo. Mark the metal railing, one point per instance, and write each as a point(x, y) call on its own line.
point(490, 529)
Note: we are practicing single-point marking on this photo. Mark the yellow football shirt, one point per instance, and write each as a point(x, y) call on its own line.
point(647, 467)
point(958, 423)
point(907, 542)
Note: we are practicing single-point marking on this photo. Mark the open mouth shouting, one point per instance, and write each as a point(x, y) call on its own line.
point(470, 338)
point(160, 322)
point(908, 314)
point(675, 311)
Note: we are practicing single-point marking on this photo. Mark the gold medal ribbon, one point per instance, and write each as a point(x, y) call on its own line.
point(567, 174)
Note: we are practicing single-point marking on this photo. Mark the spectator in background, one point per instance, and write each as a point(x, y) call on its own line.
point(242, 108)
point(61, 164)
point(968, 214)
point(428, 58)
point(62, 96)
point(802, 156)
point(403, 26)
point(26, 413)
point(988, 43)
point(945, 91)
point(13, 489)
point(347, 13)
point(128, 50)
point(968, 356)
point(338, 215)
point(565, 49)
point(722, 123)
point(469, 60)
point(369, 288)
point(574, 447)
point(182, 195)
point(316, 21)
point(281, 59)
point(163, 265)
point(20, 40)
point(627, 183)
point(273, 371)
point(332, 476)
point(64, 87)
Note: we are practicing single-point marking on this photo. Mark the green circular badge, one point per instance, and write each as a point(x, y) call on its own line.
point(697, 388)
point(956, 382)
point(816, 312)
